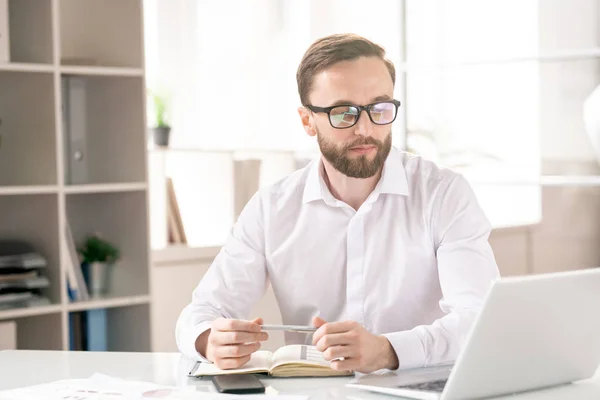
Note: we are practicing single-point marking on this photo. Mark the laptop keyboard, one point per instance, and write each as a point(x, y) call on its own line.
point(433, 386)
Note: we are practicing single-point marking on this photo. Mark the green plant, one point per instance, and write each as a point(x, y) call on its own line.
point(96, 249)
point(160, 110)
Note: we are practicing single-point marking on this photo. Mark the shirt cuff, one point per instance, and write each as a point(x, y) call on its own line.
point(190, 344)
point(408, 348)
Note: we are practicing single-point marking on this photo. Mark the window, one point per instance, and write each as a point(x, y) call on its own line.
point(491, 88)
point(495, 89)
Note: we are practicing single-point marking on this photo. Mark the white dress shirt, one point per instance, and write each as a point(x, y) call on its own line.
point(413, 263)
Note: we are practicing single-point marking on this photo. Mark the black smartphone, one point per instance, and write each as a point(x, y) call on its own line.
point(238, 384)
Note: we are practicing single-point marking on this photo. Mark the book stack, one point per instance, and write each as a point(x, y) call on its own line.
point(21, 281)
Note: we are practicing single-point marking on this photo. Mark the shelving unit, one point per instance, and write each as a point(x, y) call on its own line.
point(72, 39)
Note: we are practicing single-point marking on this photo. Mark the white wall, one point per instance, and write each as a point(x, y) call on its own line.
point(566, 26)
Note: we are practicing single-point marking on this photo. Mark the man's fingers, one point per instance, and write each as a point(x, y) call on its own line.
point(231, 363)
point(318, 322)
point(236, 350)
point(226, 338)
point(351, 364)
point(338, 351)
point(235, 325)
point(334, 339)
point(333, 327)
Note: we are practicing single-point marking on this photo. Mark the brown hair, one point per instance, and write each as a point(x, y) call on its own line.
point(332, 49)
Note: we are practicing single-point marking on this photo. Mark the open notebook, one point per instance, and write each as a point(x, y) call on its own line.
point(287, 361)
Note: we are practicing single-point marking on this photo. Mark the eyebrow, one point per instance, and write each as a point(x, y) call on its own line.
point(383, 97)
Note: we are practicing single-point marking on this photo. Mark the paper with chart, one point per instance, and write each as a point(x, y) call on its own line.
point(103, 387)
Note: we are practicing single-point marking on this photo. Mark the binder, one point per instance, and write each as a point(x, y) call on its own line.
point(96, 330)
point(74, 114)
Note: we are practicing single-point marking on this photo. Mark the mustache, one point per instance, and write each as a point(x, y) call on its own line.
point(363, 141)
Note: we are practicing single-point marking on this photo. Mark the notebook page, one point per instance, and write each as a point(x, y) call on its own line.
point(260, 361)
point(299, 353)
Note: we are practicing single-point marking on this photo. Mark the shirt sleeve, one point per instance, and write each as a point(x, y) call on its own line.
point(466, 269)
point(234, 282)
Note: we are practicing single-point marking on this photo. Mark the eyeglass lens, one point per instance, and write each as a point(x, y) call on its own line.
point(345, 116)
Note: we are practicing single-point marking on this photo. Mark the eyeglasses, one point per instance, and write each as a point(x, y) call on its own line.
point(347, 115)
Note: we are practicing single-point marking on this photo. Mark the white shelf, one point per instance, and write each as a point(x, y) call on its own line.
point(101, 71)
point(26, 67)
point(108, 302)
point(41, 190)
point(30, 311)
point(107, 188)
point(16, 190)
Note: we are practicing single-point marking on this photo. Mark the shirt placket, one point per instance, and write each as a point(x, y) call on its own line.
point(354, 272)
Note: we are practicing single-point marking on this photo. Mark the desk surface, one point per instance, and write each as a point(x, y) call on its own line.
point(25, 368)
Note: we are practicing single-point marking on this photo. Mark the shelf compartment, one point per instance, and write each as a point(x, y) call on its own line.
point(34, 219)
point(120, 218)
point(104, 129)
point(27, 129)
point(40, 332)
point(30, 31)
point(110, 329)
point(122, 322)
point(101, 33)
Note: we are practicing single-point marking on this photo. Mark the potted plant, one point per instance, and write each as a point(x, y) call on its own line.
point(98, 259)
point(161, 130)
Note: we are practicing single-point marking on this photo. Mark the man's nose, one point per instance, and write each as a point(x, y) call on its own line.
point(364, 126)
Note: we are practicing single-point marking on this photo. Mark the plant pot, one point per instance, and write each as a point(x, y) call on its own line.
point(161, 136)
point(98, 278)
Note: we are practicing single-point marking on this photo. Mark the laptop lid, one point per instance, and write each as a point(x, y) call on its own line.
point(534, 331)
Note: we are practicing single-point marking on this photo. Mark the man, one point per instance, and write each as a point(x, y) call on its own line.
point(384, 252)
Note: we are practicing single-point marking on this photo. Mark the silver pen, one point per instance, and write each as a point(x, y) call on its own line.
point(290, 328)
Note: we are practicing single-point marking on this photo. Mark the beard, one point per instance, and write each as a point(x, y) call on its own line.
point(357, 167)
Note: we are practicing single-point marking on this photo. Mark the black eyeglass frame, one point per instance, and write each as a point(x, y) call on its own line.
point(367, 108)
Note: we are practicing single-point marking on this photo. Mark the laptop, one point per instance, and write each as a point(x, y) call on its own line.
point(533, 332)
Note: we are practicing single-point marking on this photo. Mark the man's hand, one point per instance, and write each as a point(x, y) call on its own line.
point(230, 342)
point(361, 350)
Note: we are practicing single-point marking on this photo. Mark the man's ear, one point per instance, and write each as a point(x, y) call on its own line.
point(307, 120)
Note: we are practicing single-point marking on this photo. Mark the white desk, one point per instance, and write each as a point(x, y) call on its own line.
point(24, 368)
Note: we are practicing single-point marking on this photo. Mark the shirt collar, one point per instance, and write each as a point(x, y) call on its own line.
point(393, 179)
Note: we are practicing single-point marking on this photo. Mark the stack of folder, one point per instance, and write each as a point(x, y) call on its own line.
point(21, 280)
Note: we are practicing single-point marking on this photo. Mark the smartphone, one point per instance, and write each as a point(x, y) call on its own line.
point(238, 384)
